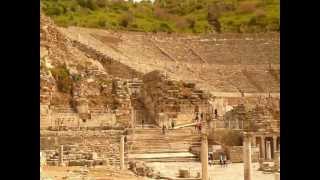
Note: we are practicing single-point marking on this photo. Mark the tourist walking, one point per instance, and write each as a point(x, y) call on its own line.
point(163, 129)
point(172, 124)
point(216, 113)
point(221, 160)
point(125, 136)
point(196, 121)
point(142, 122)
point(225, 160)
point(210, 159)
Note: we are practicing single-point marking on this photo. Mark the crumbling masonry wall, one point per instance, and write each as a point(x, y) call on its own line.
point(80, 145)
point(176, 99)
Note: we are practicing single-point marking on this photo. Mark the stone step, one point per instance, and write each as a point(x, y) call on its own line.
point(169, 144)
point(165, 157)
point(167, 133)
point(162, 141)
point(151, 140)
point(141, 151)
point(171, 159)
point(161, 136)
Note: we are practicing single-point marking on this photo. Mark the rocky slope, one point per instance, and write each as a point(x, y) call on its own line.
point(66, 71)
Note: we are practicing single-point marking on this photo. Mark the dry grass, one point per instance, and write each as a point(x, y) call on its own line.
point(260, 13)
point(247, 7)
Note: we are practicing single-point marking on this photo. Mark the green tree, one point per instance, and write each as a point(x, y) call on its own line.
point(126, 19)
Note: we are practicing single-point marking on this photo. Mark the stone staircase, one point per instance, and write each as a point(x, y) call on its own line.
point(149, 144)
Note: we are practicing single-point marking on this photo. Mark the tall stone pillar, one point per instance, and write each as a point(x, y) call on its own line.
point(61, 163)
point(132, 118)
point(247, 167)
point(274, 139)
point(204, 156)
point(263, 148)
point(254, 142)
point(277, 161)
point(276, 176)
point(268, 150)
point(122, 153)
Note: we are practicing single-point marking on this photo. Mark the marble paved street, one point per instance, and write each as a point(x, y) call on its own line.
point(232, 172)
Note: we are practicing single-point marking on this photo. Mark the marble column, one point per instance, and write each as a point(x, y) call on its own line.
point(133, 115)
point(277, 161)
point(204, 157)
point(276, 176)
point(274, 140)
point(263, 147)
point(254, 141)
point(61, 155)
point(247, 157)
point(268, 150)
point(122, 153)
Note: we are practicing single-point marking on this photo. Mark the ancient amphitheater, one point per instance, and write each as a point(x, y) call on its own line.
point(126, 86)
point(227, 63)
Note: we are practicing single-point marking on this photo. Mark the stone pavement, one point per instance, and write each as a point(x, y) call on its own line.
point(216, 172)
point(161, 155)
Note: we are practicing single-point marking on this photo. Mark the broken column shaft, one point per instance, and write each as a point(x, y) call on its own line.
point(268, 150)
point(277, 160)
point(204, 156)
point(274, 140)
point(61, 155)
point(247, 157)
point(263, 149)
point(122, 153)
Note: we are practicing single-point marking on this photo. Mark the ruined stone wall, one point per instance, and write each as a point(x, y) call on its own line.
point(45, 120)
point(177, 99)
point(68, 118)
point(235, 154)
point(104, 143)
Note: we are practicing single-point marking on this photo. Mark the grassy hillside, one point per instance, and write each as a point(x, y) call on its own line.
point(188, 16)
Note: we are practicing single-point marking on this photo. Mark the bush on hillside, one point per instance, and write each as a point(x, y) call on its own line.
point(191, 22)
point(164, 27)
point(63, 79)
point(126, 19)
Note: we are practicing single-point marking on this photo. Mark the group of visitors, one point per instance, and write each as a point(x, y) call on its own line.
point(164, 126)
point(223, 160)
point(198, 119)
